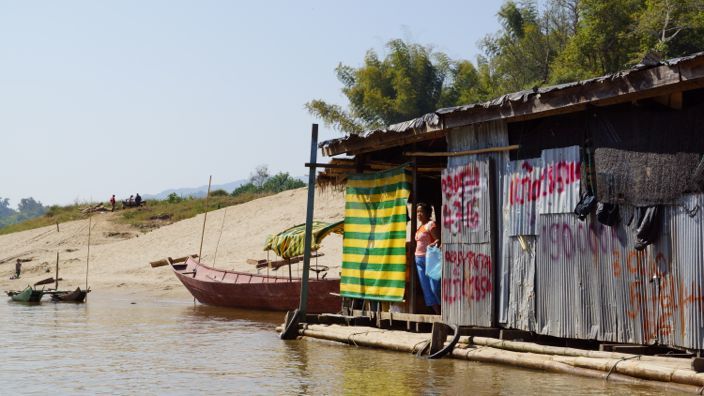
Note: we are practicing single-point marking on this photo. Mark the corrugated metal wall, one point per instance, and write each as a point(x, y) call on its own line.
point(468, 276)
point(563, 277)
point(590, 282)
point(520, 258)
point(559, 276)
point(474, 274)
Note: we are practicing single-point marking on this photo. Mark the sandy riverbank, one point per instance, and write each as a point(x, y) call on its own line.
point(120, 255)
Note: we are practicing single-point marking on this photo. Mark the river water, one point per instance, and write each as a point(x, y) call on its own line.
point(114, 345)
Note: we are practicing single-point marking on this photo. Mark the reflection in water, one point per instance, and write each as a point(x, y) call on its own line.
point(112, 346)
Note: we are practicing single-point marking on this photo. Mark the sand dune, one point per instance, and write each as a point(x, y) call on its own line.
point(120, 255)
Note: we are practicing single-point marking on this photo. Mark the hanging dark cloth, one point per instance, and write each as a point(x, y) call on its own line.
point(647, 226)
point(585, 206)
point(587, 202)
point(607, 214)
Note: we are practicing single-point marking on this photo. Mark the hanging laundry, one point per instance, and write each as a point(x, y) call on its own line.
point(648, 225)
point(585, 206)
point(607, 214)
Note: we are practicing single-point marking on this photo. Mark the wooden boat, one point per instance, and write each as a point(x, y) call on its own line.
point(77, 296)
point(253, 291)
point(29, 294)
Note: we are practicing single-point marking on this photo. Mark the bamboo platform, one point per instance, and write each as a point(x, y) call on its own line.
point(671, 374)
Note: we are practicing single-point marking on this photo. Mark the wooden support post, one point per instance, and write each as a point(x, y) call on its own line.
point(309, 220)
point(56, 285)
point(414, 226)
point(439, 336)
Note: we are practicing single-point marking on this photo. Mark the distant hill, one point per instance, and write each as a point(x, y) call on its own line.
point(200, 192)
point(195, 192)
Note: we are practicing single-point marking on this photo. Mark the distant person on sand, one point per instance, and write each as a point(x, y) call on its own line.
point(112, 203)
point(18, 269)
point(137, 200)
point(131, 200)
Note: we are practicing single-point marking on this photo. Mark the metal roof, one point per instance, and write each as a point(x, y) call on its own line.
point(531, 102)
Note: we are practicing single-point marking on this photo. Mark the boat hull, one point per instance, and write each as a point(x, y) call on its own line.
point(77, 296)
point(253, 291)
point(27, 295)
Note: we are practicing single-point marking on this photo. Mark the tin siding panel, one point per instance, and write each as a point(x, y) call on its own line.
point(467, 284)
point(519, 203)
point(592, 284)
point(687, 229)
point(490, 134)
point(521, 302)
point(466, 203)
point(559, 180)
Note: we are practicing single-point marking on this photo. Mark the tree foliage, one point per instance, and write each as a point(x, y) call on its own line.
point(411, 80)
point(261, 183)
point(558, 41)
point(28, 208)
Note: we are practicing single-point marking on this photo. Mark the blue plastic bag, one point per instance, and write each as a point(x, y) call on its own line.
point(433, 262)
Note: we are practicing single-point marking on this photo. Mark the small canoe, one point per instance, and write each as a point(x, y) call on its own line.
point(27, 295)
point(77, 296)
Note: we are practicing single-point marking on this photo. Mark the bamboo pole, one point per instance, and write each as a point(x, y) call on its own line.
point(368, 337)
point(666, 373)
point(90, 218)
point(520, 346)
point(541, 362)
point(56, 284)
point(205, 216)
point(458, 153)
point(217, 246)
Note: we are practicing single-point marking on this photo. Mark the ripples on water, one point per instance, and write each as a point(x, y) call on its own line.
point(111, 346)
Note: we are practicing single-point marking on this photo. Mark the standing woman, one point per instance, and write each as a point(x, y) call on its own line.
point(427, 235)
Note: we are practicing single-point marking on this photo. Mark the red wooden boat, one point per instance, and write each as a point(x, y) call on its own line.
point(224, 288)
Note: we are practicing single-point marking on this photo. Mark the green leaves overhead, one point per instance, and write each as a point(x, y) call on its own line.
point(410, 81)
point(560, 41)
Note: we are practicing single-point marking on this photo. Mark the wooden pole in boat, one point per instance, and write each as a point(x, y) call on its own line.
point(205, 216)
point(56, 284)
point(88, 255)
point(293, 318)
point(290, 277)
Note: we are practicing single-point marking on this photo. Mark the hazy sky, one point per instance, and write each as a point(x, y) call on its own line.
point(103, 97)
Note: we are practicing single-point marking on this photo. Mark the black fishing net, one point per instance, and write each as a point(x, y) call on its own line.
point(643, 179)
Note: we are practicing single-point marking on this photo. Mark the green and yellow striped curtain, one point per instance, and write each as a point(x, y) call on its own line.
point(374, 247)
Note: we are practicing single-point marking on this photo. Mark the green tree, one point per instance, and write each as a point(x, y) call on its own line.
point(670, 28)
point(244, 189)
point(29, 208)
point(282, 182)
point(219, 193)
point(260, 176)
point(604, 42)
point(519, 55)
point(174, 198)
point(5, 209)
point(411, 80)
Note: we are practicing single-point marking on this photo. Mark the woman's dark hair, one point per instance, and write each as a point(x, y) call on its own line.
point(425, 208)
